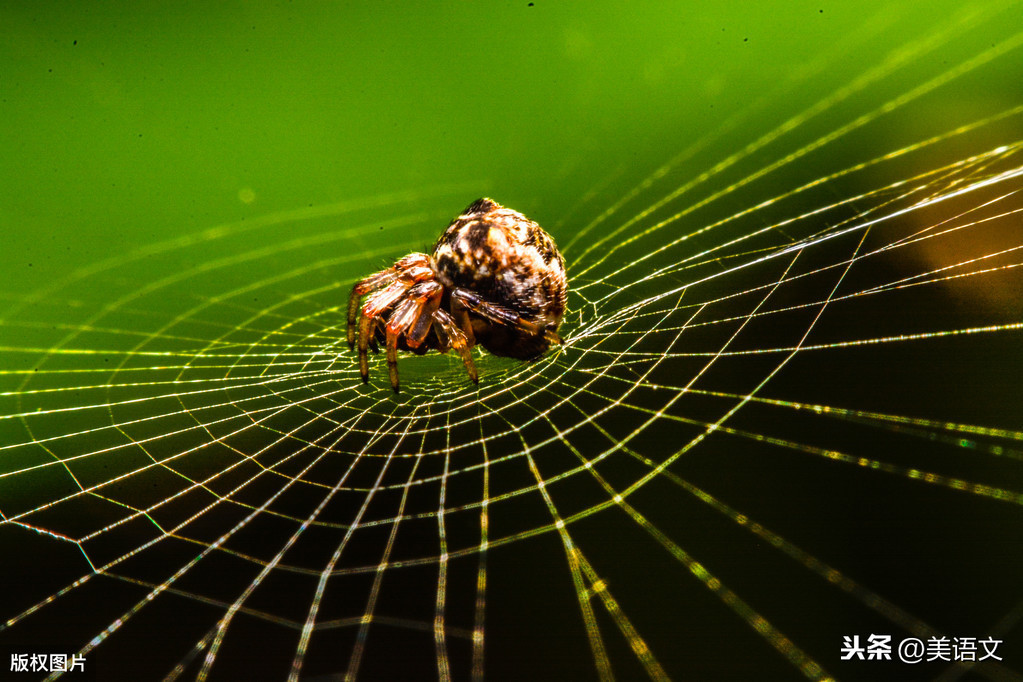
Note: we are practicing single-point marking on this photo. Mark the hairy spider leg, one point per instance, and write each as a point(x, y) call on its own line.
point(460, 311)
point(498, 313)
point(420, 301)
point(412, 268)
point(367, 329)
point(375, 306)
point(448, 330)
point(392, 357)
point(424, 323)
point(361, 288)
point(429, 293)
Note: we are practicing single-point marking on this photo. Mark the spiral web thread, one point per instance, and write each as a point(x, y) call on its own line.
point(199, 441)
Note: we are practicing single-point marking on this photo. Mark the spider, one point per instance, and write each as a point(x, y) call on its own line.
point(495, 278)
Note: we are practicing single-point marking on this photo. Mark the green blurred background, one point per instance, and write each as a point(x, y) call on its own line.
point(126, 123)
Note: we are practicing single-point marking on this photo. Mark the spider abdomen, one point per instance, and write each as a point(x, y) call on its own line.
point(506, 259)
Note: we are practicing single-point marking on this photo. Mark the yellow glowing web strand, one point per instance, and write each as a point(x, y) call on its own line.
point(929, 44)
point(118, 623)
point(440, 642)
point(368, 615)
point(809, 667)
point(576, 561)
point(478, 631)
point(784, 251)
point(307, 629)
point(829, 573)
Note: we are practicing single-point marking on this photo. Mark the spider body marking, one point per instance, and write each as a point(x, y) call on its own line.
point(495, 278)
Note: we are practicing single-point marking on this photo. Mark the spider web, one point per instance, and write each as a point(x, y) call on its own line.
point(786, 412)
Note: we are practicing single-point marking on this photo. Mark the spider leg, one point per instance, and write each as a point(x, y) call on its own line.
point(361, 288)
point(460, 311)
point(405, 321)
point(418, 328)
point(394, 281)
point(404, 317)
point(375, 306)
point(408, 286)
point(392, 357)
point(367, 328)
point(498, 313)
point(447, 329)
